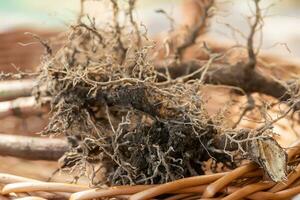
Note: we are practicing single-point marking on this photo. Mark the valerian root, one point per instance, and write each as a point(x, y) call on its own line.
point(124, 121)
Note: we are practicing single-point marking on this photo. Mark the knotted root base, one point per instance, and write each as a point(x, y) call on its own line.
point(127, 123)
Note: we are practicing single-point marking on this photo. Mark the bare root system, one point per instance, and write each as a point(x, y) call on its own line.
point(129, 120)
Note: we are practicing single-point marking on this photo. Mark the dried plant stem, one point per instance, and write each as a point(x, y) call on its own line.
point(196, 197)
point(113, 191)
point(195, 30)
point(32, 148)
point(31, 198)
point(285, 194)
point(42, 186)
point(249, 189)
point(293, 150)
point(15, 88)
point(176, 185)
point(251, 54)
point(239, 75)
point(195, 189)
point(179, 196)
point(21, 106)
point(8, 178)
point(216, 186)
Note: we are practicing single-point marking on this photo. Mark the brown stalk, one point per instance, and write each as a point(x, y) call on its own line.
point(251, 54)
point(194, 31)
point(42, 186)
point(262, 195)
point(293, 150)
point(239, 75)
point(249, 189)
point(216, 186)
point(32, 148)
point(8, 178)
point(288, 193)
point(179, 196)
point(176, 185)
point(284, 194)
point(15, 88)
point(113, 191)
point(190, 185)
point(31, 198)
point(21, 106)
point(196, 197)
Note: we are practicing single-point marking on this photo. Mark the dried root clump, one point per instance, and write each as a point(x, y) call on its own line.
point(121, 122)
point(105, 99)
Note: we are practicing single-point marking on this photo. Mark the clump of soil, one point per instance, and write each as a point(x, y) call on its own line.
point(122, 121)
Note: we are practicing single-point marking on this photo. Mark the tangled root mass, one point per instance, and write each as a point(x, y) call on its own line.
point(119, 119)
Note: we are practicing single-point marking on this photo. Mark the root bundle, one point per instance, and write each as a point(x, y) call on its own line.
point(132, 121)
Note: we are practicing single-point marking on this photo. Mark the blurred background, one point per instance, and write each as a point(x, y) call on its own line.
point(281, 31)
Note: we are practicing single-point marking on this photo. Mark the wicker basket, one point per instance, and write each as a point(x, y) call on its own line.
point(244, 182)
